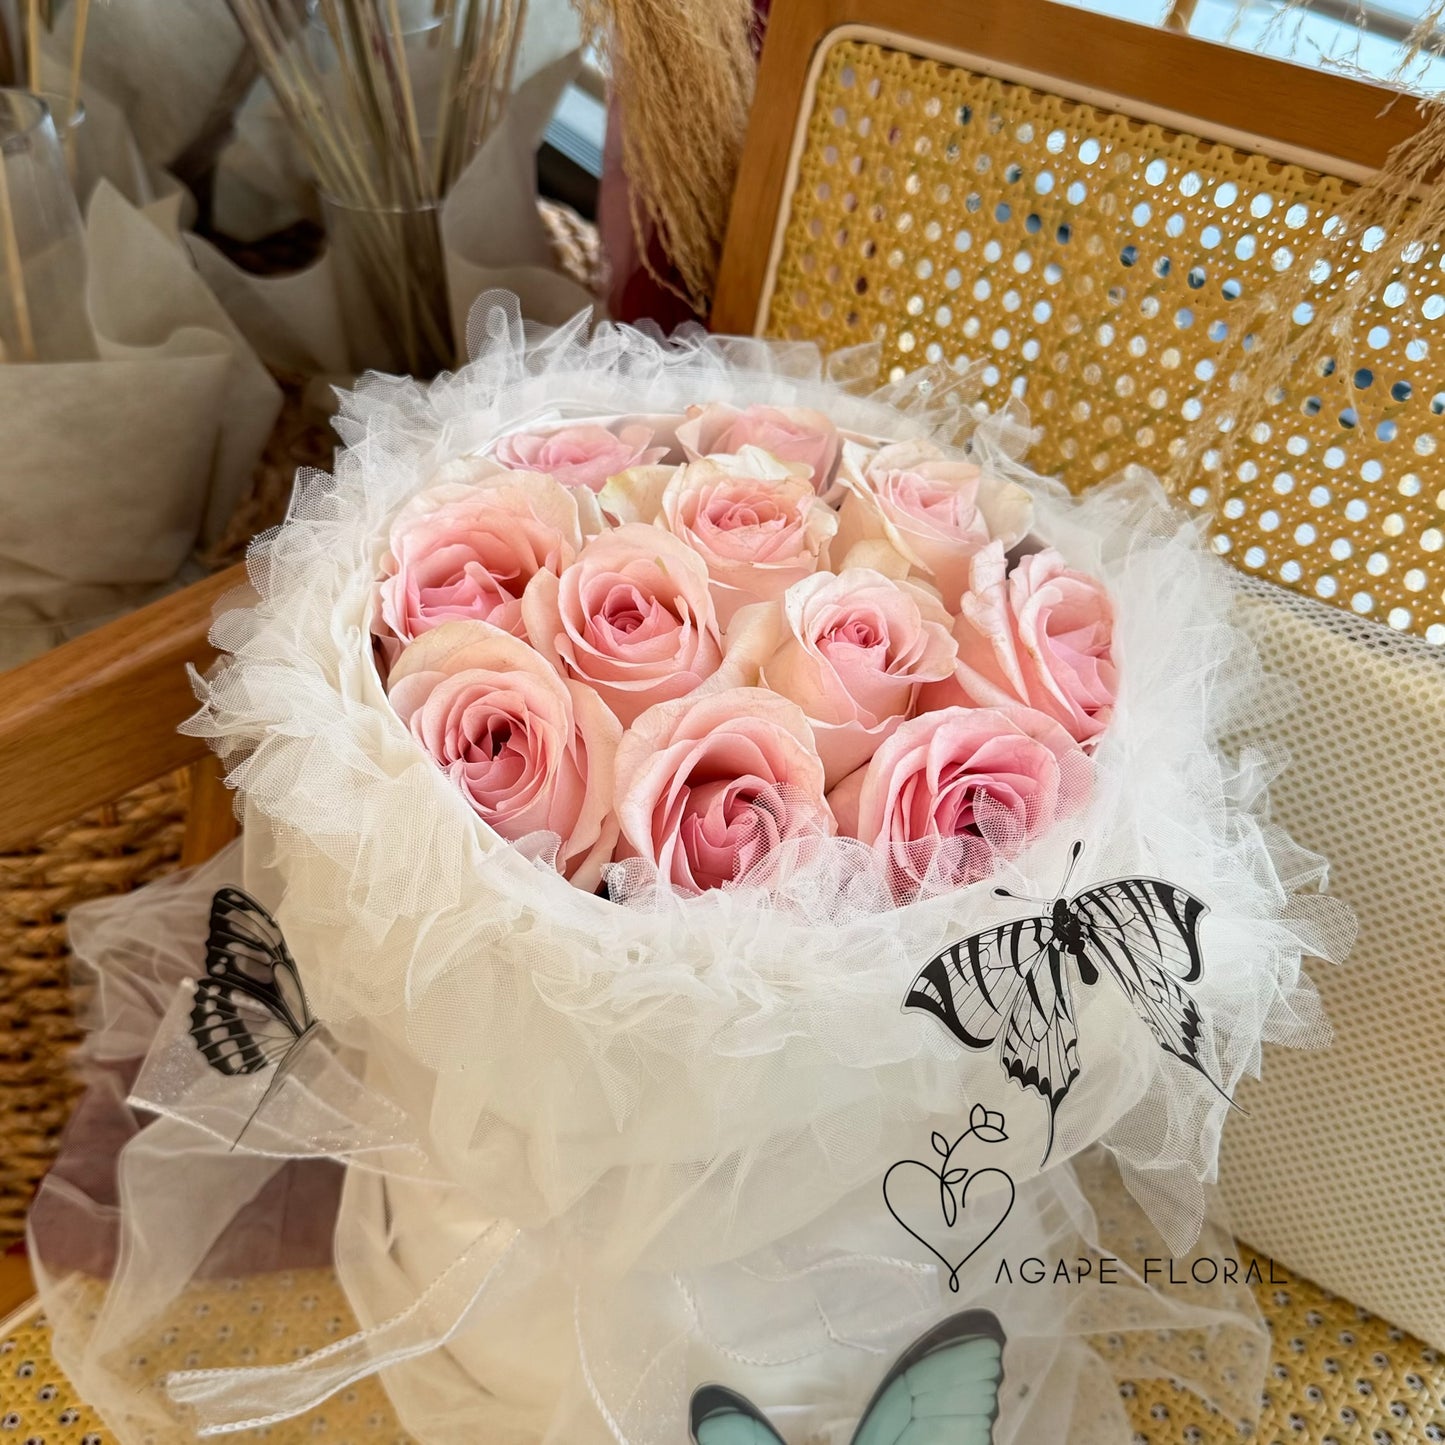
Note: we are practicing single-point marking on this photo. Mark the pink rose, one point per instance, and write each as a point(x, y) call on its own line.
point(1041, 635)
point(632, 617)
point(531, 752)
point(790, 433)
point(710, 786)
point(755, 522)
point(932, 512)
point(952, 791)
point(852, 650)
point(467, 549)
point(579, 456)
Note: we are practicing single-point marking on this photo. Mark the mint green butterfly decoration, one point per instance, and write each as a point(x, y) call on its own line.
point(943, 1390)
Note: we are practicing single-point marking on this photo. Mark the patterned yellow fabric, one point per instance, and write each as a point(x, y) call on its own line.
point(1337, 1374)
point(1098, 268)
point(264, 1320)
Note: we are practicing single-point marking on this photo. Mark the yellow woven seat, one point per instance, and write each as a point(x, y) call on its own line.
point(1337, 1373)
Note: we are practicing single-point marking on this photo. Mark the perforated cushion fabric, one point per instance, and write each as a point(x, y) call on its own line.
point(1334, 1168)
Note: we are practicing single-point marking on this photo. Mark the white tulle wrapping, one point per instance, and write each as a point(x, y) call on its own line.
point(602, 1126)
point(513, 1336)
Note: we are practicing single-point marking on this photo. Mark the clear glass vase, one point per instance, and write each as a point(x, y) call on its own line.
point(391, 281)
point(69, 119)
point(42, 242)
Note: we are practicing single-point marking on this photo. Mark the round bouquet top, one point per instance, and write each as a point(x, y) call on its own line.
point(668, 710)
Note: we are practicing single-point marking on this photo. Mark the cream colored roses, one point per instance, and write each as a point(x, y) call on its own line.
point(705, 657)
point(909, 507)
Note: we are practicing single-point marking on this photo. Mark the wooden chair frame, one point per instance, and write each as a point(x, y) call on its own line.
point(1313, 118)
point(86, 723)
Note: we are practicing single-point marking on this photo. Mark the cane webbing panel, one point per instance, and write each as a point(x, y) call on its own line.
point(1098, 268)
point(1336, 1373)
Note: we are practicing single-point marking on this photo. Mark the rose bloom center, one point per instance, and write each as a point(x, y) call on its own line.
point(752, 530)
point(626, 611)
point(493, 749)
point(949, 506)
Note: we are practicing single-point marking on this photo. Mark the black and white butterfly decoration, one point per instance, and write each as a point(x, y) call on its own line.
point(250, 1010)
point(1010, 984)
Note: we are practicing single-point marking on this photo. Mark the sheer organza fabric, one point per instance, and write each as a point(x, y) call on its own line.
point(597, 1151)
point(484, 1330)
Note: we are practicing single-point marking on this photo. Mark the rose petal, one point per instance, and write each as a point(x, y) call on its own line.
point(709, 786)
point(530, 753)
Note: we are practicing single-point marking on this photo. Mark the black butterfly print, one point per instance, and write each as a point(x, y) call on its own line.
point(250, 1009)
point(1010, 985)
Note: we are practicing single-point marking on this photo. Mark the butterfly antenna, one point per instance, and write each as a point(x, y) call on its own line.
point(1021, 897)
point(1218, 1089)
point(1074, 855)
point(250, 1119)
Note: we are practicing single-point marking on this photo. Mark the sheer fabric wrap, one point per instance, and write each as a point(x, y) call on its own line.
point(595, 1153)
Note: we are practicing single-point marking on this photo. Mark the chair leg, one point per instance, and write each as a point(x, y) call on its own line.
point(211, 819)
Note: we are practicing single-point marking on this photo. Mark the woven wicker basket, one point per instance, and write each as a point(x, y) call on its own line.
point(111, 850)
point(130, 842)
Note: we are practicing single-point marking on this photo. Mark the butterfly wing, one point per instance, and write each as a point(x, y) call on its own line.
point(1145, 934)
point(1040, 1041)
point(250, 1007)
point(722, 1417)
point(1008, 981)
point(235, 1032)
point(944, 1390)
point(970, 986)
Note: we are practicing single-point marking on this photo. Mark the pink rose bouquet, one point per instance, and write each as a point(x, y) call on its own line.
point(699, 655)
point(684, 787)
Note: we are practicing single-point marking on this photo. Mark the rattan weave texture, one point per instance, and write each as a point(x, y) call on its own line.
point(111, 850)
point(1099, 268)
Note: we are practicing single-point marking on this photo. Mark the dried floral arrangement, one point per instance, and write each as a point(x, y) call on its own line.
point(382, 154)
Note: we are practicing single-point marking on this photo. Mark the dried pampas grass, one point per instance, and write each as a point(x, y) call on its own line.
point(382, 163)
point(1405, 200)
point(683, 74)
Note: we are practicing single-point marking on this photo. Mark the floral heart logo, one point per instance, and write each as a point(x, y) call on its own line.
point(908, 1198)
